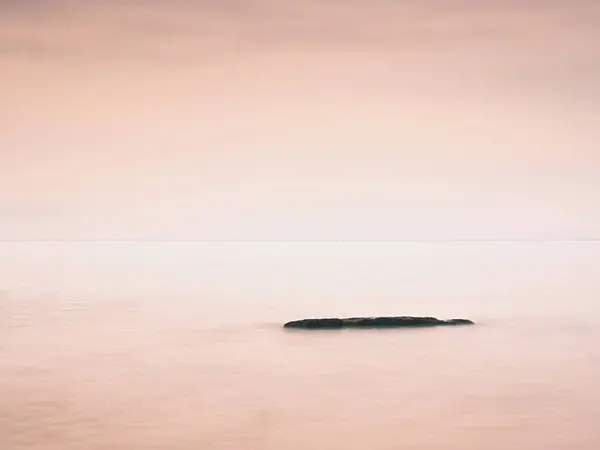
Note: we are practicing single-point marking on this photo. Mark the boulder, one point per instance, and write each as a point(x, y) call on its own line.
point(374, 322)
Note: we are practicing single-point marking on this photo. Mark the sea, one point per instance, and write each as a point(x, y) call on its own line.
point(180, 346)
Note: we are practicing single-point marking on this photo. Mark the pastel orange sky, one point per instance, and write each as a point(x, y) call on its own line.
point(299, 119)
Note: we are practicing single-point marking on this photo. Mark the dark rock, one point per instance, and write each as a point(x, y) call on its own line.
point(374, 322)
point(316, 323)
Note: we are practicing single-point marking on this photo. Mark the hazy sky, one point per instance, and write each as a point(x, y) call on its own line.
point(299, 119)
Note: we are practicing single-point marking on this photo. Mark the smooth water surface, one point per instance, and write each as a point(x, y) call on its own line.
point(135, 346)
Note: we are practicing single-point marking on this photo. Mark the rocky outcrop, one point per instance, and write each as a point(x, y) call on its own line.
point(374, 322)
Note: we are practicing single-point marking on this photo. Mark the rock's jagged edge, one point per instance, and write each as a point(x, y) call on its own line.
point(374, 322)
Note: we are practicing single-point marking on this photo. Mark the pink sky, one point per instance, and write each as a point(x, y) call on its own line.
point(299, 119)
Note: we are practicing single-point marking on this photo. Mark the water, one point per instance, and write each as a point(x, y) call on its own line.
point(178, 346)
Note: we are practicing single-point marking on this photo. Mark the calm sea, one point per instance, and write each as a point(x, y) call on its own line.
point(140, 346)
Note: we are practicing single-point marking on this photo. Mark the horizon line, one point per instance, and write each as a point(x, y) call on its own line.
point(242, 241)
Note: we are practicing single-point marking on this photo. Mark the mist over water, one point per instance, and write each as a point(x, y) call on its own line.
point(179, 345)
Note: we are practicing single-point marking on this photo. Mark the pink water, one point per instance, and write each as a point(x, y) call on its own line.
point(131, 346)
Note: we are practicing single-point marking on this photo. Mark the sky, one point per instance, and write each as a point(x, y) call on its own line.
point(299, 119)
